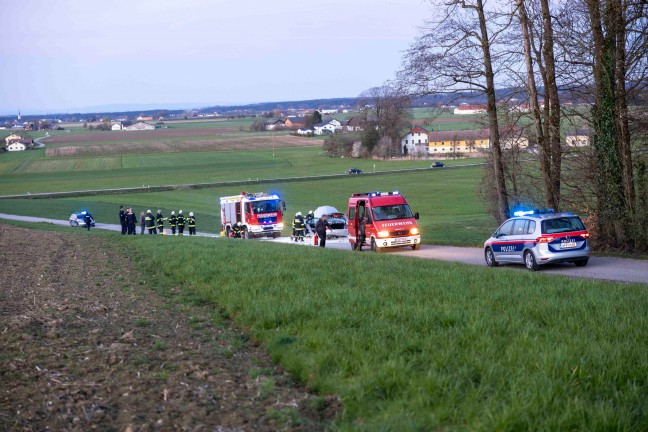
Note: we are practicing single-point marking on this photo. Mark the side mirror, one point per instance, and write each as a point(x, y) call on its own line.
point(283, 204)
point(416, 215)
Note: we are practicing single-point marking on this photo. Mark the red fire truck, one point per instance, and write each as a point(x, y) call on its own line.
point(389, 221)
point(260, 214)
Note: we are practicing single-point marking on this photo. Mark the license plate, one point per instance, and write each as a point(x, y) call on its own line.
point(400, 241)
point(568, 245)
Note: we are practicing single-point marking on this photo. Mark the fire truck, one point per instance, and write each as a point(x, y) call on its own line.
point(260, 214)
point(389, 221)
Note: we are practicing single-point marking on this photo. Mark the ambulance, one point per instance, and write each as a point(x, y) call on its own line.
point(389, 221)
point(260, 214)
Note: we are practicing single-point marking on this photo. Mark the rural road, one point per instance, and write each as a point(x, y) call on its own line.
point(602, 268)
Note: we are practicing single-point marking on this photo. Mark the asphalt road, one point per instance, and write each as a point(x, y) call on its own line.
point(602, 268)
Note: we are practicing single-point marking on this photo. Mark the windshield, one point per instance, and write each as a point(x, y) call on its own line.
point(561, 225)
point(390, 212)
point(265, 206)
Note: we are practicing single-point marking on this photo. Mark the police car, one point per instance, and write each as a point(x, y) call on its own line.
point(535, 238)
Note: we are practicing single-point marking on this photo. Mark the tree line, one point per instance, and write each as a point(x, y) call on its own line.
point(577, 64)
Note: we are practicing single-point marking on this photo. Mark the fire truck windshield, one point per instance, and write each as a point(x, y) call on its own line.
point(265, 206)
point(397, 211)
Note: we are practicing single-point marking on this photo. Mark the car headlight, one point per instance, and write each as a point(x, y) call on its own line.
point(414, 231)
point(383, 234)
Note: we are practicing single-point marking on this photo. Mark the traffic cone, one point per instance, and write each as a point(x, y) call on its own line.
point(315, 239)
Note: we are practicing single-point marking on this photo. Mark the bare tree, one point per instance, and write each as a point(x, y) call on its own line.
point(387, 109)
point(460, 52)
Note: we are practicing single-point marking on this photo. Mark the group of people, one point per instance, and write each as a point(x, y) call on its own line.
point(300, 225)
point(155, 223)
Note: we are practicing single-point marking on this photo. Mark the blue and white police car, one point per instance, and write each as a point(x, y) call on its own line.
point(538, 237)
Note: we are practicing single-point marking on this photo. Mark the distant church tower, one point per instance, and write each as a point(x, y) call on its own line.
point(18, 115)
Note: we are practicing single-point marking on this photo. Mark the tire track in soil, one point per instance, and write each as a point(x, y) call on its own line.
point(86, 345)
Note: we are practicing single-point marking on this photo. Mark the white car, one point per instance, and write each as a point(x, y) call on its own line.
point(337, 221)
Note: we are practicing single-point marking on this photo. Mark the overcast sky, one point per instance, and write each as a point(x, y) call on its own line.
point(70, 54)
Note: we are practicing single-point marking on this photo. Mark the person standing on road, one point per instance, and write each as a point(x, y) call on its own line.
point(191, 223)
point(142, 222)
point(122, 219)
point(362, 233)
point(173, 221)
point(181, 223)
point(131, 221)
point(87, 218)
point(320, 229)
point(299, 227)
point(159, 221)
point(150, 222)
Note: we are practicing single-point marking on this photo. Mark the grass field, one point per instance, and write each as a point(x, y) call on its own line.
point(446, 199)
point(424, 345)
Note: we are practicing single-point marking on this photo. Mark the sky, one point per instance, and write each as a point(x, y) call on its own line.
point(72, 55)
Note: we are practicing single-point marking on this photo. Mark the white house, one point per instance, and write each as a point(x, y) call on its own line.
point(12, 138)
point(578, 138)
point(16, 146)
point(415, 139)
point(327, 127)
point(304, 131)
point(139, 126)
point(116, 126)
point(328, 111)
point(469, 110)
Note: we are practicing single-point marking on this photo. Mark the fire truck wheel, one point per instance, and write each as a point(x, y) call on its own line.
point(246, 233)
point(276, 235)
point(416, 246)
point(353, 246)
point(374, 246)
point(228, 232)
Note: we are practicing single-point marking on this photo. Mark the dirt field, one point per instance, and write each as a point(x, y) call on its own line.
point(195, 145)
point(87, 345)
point(101, 136)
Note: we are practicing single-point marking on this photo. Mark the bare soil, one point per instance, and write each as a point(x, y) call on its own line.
point(104, 136)
point(88, 345)
point(195, 145)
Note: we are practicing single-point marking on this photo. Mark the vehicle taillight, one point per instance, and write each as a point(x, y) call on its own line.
point(585, 235)
point(544, 239)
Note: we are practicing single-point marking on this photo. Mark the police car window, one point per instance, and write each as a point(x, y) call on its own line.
point(531, 228)
point(506, 228)
point(397, 211)
point(561, 225)
point(519, 227)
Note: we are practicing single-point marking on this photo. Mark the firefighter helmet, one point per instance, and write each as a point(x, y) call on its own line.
point(191, 214)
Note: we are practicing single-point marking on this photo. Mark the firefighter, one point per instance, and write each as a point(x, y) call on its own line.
point(236, 230)
point(150, 222)
point(159, 221)
point(122, 219)
point(181, 222)
point(362, 233)
point(173, 221)
point(320, 229)
point(310, 222)
point(298, 227)
point(131, 221)
point(191, 223)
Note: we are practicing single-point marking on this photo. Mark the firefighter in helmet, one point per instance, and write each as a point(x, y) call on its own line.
point(173, 222)
point(181, 222)
point(299, 227)
point(191, 223)
point(159, 221)
point(236, 230)
point(150, 222)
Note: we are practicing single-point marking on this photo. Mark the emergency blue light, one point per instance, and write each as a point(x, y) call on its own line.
point(523, 213)
point(275, 196)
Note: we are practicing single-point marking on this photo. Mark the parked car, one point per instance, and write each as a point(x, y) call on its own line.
point(536, 238)
point(438, 165)
point(354, 171)
point(76, 219)
point(337, 221)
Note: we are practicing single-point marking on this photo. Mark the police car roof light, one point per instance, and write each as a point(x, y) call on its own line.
point(520, 213)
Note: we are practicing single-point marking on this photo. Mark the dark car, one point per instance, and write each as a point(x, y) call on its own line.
point(438, 165)
point(354, 171)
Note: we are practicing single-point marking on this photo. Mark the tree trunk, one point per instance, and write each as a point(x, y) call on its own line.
point(554, 102)
point(543, 152)
point(500, 181)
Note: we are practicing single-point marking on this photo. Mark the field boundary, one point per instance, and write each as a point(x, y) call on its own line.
point(164, 188)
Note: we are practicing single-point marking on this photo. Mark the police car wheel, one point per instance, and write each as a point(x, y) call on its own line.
point(490, 258)
point(581, 263)
point(74, 223)
point(529, 261)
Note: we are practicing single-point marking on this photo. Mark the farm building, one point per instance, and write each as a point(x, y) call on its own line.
point(144, 118)
point(12, 138)
point(274, 124)
point(16, 146)
point(460, 141)
point(354, 124)
point(139, 126)
point(295, 122)
point(327, 127)
point(578, 138)
point(415, 141)
point(116, 126)
point(305, 131)
point(470, 110)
